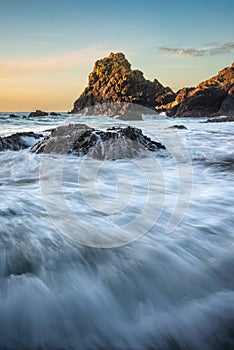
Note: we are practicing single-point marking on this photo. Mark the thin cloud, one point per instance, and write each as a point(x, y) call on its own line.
point(209, 50)
point(213, 44)
point(73, 59)
point(173, 66)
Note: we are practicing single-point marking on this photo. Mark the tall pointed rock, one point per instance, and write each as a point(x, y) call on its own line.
point(113, 81)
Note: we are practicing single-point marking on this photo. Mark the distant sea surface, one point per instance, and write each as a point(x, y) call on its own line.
point(165, 290)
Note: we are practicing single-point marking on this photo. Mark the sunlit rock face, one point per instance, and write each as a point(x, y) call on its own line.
point(113, 81)
point(212, 97)
point(80, 139)
point(113, 88)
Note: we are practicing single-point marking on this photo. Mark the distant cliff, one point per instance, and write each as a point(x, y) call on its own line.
point(212, 97)
point(113, 80)
point(113, 87)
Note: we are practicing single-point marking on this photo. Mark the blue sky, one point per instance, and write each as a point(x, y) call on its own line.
point(49, 47)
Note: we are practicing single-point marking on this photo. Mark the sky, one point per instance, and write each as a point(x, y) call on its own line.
point(48, 48)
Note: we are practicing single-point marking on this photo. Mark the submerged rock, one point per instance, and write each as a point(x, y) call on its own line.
point(17, 141)
point(13, 116)
point(54, 114)
point(80, 139)
point(220, 120)
point(38, 113)
point(180, 127)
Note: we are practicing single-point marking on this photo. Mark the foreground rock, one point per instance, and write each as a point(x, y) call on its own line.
point(17, 141)
point(212, 97)
point(114, 83)
point(80, 139)
point(220, 120)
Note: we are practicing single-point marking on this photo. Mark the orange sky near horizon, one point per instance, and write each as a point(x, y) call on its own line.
point(49, 83)
point(39, 92)
point(54, 82)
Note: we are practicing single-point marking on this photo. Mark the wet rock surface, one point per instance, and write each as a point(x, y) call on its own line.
point(17, 141)
point(80, 139)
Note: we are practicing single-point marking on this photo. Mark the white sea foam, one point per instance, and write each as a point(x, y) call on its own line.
point(162, 291)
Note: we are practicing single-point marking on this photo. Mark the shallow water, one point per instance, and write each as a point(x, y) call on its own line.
point(165, 280)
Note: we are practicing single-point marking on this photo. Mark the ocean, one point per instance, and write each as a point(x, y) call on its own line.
point(124, 254)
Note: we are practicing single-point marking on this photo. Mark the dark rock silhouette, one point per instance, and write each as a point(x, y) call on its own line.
point(54, 114)
point(179, 127)
point(38, 113)
point(13, 116)
point(80, 139)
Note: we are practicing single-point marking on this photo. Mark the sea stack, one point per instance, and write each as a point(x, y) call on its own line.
point(113, 87)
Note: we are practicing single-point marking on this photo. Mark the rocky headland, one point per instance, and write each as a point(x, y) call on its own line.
point(213, 97)
point(114, 88)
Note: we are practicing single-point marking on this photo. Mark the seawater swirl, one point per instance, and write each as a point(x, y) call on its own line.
point(106, 188)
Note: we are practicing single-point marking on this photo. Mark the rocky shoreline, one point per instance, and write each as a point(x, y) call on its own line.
point(116, 90)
